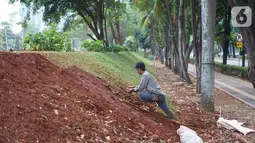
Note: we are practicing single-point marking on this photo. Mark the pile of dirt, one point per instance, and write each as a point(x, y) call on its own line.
point(41, 102)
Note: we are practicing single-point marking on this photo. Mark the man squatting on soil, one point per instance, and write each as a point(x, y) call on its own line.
point(149, 90)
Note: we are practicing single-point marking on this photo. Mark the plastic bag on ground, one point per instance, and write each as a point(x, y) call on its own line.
point(187, 135)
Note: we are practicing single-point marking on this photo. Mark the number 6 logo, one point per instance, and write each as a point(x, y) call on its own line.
point(241, 16)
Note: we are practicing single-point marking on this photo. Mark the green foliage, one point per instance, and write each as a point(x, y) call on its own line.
point(241, 72)
point(117, 48)
point(130, 22)
point(233, 37)
point(131, 43)
point(49, 40)
point(149, 56)
point(192, 61)
point(97, 46)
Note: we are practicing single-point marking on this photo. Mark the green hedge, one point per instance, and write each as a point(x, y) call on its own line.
point(241, 72)
point(98, 46)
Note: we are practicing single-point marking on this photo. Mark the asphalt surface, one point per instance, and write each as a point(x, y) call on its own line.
point(240, 89)
point(232, 61)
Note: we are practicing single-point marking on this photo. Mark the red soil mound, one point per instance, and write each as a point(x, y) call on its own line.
point(40, 102)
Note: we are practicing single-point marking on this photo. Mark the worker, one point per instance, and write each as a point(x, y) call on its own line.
point(150, 91)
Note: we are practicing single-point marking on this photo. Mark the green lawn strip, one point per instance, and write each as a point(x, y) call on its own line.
point(113, 67)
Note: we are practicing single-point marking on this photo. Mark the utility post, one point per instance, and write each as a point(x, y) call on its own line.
point(239, 44)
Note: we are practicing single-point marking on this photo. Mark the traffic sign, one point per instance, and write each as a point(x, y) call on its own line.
point(239, 44)
point(239, 38)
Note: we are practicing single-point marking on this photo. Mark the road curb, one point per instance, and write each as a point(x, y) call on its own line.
point(228, 93)
point(235, 97)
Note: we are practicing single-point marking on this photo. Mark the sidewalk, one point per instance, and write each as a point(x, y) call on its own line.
point(232, 61)
point(240, 89)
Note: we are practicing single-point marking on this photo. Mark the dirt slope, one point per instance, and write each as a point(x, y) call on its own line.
point(42, 103)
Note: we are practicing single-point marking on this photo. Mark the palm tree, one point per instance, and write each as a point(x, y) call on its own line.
point(208, 11)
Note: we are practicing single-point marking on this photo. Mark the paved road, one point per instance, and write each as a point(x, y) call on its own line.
point(236, 87)
point(232, 61)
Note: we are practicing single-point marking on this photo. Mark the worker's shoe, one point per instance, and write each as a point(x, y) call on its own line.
point(171, 115)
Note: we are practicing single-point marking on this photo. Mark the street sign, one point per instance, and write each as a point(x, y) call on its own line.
point(239, 38)
point(239, 44)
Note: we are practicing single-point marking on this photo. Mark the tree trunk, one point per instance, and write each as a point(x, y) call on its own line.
point(101, 17)
point(106, 36)
point(234, 50)
point(248, 34)
point(176, 63)
point(172, 57)
point(181, 44)
point(153, 46)
point(161, 55)
point(208, 35)
point(167, 47)
point(113, 32)
point(188, 52)
point(169, 58)
point(166, 56)
point(118, 29)
point(227, 30)
point(194, 26)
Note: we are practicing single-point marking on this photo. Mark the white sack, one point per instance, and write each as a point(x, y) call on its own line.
point(188, 135)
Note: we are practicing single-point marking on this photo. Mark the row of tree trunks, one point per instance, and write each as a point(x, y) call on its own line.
point(178, 53)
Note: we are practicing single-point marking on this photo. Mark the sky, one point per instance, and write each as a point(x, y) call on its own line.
point(5, 10)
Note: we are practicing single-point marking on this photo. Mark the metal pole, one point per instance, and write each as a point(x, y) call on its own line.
point(243, 62)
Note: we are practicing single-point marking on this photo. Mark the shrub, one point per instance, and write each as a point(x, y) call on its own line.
point(49, 40)
point(232, 70)
point(149, 56)
point(118, 48)
point(97, 46)
point(131, 43)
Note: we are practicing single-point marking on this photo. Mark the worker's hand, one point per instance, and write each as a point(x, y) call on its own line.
point(129, 89)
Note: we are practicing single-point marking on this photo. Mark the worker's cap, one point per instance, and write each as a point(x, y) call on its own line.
point(140, 65)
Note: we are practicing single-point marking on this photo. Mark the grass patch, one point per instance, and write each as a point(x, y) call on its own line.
point(112, 67)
